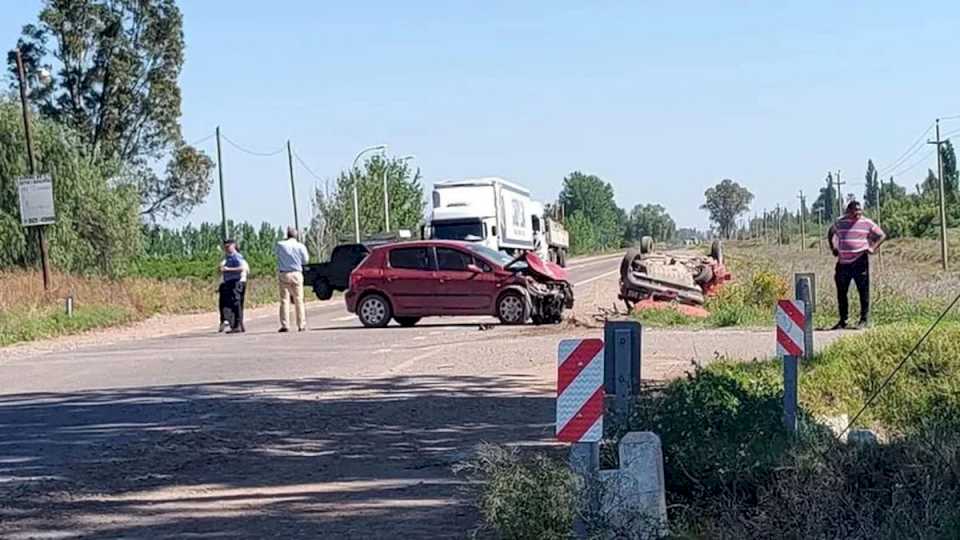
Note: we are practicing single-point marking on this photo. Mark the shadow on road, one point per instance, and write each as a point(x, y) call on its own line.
point(309, 458)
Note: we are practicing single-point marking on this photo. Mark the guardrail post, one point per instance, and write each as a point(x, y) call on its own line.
point(621, 362)
point(805, 290)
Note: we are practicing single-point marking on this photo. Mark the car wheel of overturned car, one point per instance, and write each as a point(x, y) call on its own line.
point(626, 264)
point(646, 245)
point(374, 311)
point(716, 251)
point(512, 308)
point(323, 290)
point(407, 322)
point(705, 275)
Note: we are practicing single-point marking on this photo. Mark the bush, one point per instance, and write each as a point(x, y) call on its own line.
point(524, 498)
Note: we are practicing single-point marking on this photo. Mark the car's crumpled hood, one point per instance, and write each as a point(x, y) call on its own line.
point(544, 269)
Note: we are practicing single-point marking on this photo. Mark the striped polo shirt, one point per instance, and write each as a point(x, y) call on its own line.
point(853, 237)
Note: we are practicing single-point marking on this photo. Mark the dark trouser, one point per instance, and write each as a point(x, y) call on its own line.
point(232, 299)
point(859, 272)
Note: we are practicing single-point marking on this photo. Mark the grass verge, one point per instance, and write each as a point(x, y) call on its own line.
point(732, 471)
point(27, 312)
point(906, 287)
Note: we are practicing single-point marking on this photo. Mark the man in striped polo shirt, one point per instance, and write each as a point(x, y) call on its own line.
point(853, 239)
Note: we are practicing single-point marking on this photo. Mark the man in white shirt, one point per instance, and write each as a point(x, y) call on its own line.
point(291, 256)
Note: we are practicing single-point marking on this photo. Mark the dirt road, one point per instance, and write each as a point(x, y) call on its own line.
point(340, 432)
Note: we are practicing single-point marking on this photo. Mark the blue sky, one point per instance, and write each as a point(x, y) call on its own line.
point(662, 99)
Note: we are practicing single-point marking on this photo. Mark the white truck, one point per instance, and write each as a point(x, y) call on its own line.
point(497, 213)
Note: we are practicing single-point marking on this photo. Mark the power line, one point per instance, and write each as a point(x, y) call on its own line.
point(907, 154)
point(914, 165)
point(954, 117)
point(204, 139)
point(251, 152)
point(307, 167)
point(899, 367)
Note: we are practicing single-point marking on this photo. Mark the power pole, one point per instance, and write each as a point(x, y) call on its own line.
point(293, 187)
point(803, 232)
point(820, 231)
point(838, 183)
point(223, 204)
point(779, 227)
point(764, 225)
point(28, 136)
point(943, 204)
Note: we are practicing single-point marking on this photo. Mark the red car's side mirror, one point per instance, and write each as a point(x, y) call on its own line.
point(474, 268)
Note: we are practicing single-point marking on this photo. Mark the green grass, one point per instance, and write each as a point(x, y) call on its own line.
point(17, 326)
point(907, 286)
point(28, 313)
point(732, 471)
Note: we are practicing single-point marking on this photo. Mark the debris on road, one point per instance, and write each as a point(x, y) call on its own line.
point(650, 280)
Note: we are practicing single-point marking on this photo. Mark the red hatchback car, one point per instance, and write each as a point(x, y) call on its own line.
point(410, 280)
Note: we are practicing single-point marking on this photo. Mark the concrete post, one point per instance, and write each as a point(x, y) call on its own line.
point(634, 499)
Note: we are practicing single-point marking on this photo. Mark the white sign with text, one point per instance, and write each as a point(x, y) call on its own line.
point(36, 200)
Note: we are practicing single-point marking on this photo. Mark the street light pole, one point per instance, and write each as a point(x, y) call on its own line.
point(386, 193)
point(356, 197)
point(22, 79)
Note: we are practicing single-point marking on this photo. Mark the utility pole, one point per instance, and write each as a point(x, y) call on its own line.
point(943, 204)
point(803, 232)
point(28, 136)
point(838, 183)
point(820, 231)
point(779, 227)
point(223, 204)
point(764, 225)
point(293, 187)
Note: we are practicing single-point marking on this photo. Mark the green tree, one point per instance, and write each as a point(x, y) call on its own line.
point(332, 221)
point(583, 233)
point(593, 198)
point(116, 84)
point(650, 220)
point(97, 228)
point(872, 188)
point(826, 202)
point(725, 202)
point(891, 191)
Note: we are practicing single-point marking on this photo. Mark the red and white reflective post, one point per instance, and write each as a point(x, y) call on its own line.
point(791, 317)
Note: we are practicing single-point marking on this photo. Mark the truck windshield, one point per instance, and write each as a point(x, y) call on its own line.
point(469, 231)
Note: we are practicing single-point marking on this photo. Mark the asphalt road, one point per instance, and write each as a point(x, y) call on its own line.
point(338, 432)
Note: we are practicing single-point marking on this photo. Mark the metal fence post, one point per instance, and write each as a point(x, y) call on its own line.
point(805, 287)
point(621, 359)
point(790, 393)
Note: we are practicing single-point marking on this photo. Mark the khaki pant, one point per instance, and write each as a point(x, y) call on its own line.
point(291, 286)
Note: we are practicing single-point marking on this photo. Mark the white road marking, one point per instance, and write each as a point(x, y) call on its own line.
point(594, 278)
point(592, 263)
point(344, 318)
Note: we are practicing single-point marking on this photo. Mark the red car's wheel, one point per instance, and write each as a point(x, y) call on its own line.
point(512, 308)
point(374, 311)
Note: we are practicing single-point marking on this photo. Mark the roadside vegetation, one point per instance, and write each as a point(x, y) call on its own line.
point(28, 313)
point(732, 471)
point(907, 285)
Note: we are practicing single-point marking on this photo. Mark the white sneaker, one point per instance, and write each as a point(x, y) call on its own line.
point(223, 326)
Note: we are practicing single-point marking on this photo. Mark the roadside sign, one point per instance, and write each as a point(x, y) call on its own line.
point(791, 321)
point(36, 200)
point(580, 390)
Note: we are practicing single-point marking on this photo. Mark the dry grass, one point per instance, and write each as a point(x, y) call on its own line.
point(907, 283)
point(27, 312)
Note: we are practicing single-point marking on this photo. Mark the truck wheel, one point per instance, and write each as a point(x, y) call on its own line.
point(646, 245)
point(512, 308)
point(407, 322)
point(323, 290)
point(374, 311)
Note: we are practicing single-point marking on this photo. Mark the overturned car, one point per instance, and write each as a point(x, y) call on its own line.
point(407, 281)
point(686, 278)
